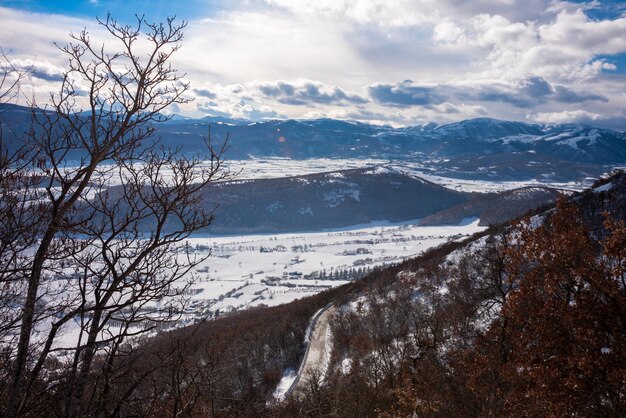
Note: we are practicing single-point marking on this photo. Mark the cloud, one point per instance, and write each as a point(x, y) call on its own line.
point(263, 114)
point(366, 115)
point(42, 70)
point(448, 33)
point(577, 31)
point(213, 110)
point(617, 122)
point(411, 13)
point(379, 12)
point(406, 93)
point(566, 95)
point(305, 92)
point(561, 49)
point(524, 93)
point(528, 93)
point(233, 107)
point(460, 109)
point(502, 58)
point(205, 93)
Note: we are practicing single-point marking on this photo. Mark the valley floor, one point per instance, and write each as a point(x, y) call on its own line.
point(251, 270)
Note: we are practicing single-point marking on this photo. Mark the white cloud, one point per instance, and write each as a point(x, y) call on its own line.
point(448, 32)
point(301, 57)
point(584, 117)
point(563, 49)
point(379, 12)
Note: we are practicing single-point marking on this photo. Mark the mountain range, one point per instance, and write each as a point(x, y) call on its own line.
point(341, 139)
point(480, 148)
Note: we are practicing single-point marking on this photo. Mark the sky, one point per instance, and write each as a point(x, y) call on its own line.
point(396, 62)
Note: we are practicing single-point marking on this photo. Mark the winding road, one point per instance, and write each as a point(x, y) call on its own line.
point(313, 359)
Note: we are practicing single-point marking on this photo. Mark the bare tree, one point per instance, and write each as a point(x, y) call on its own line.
point(15, 222)
point(10, 78)
point(95, 229)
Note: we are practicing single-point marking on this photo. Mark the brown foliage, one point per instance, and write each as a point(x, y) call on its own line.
point(559, 347)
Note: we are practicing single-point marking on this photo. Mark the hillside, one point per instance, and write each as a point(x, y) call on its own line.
point(494, 208)
point(327, 200)
point(524, 320)
point(339, 139)
point(346, 198)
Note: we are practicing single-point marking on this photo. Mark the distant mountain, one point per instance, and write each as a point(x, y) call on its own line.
point(320, 201)
point(560, 151)
point(478, 148)
point(485, 129)
point(515, 165)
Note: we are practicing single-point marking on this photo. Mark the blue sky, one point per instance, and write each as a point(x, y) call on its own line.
point(401, 62)
point(124, 10)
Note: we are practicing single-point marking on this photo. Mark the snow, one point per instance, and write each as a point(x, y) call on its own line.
point(309, 328)
point(273, 206)
point(573, 137)
point(557, 137)
point(603, 188)
point(484, 186)
point(266, 168)
point(284, 167)
point(523, 138)
point(381, 170)
point(326, 355)
point(337, 175)
point(271, 269)
point(335, 198)
point(346, 365)
point(289, 376)
point(536, 221)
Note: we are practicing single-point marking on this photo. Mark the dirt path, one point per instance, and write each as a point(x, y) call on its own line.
point(314, 357)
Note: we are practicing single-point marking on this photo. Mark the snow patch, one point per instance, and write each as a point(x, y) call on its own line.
point(603, 188)
point(286, 381)
point(337, 197)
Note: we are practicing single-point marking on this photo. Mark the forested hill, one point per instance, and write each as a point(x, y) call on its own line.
point(351, 197)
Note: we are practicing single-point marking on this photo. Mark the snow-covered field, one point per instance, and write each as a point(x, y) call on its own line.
point(272, 269)
point(285, 167)
point(484, 186)
point(265, 168)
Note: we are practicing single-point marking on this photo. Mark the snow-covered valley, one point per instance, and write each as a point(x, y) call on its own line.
point(251, 270)
point(243, 271)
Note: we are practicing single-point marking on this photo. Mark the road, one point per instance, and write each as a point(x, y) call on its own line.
point(314, 356)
